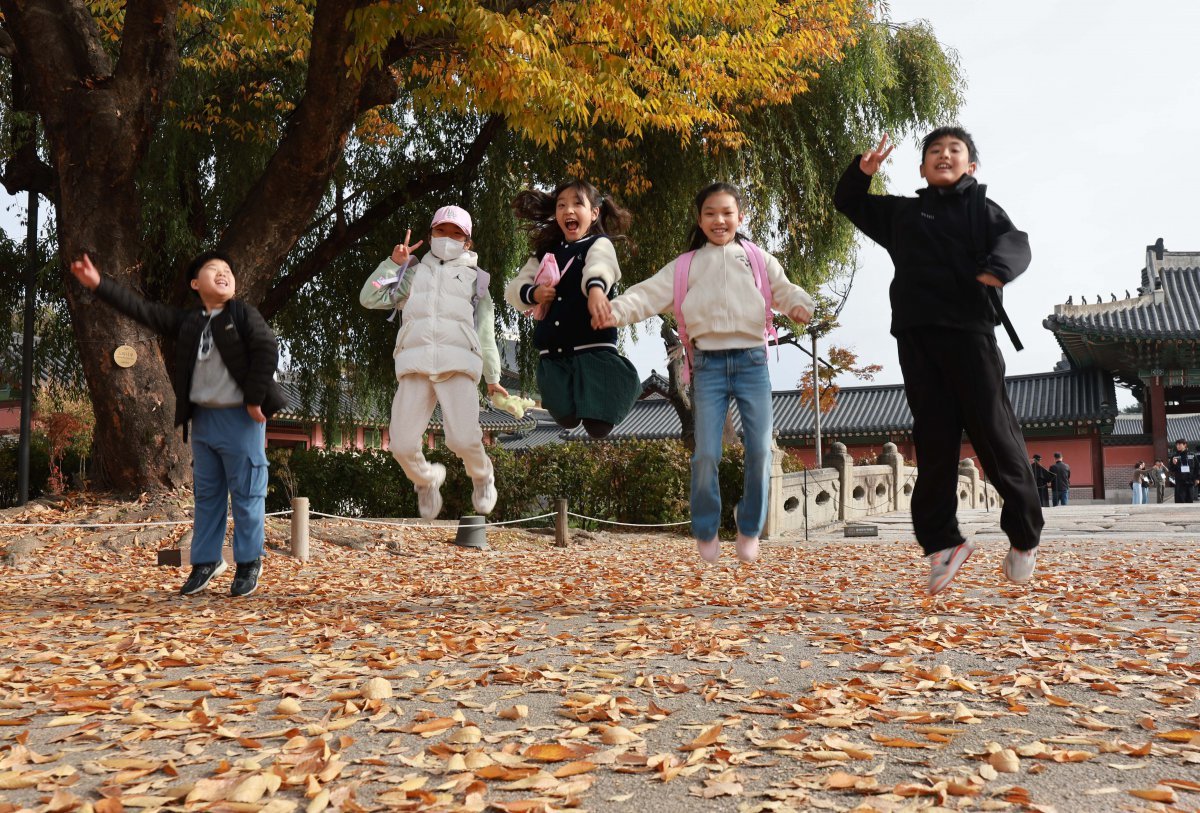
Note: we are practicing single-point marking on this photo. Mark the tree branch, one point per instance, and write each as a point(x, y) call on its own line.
point(341, 238)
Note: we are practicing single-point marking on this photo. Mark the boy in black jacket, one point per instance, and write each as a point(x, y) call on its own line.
point(228, 396)
point(944, 324)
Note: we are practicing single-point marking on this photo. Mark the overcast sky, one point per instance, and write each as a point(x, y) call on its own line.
point(1087, 118)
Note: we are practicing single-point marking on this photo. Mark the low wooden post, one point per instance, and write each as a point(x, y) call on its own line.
point(300, 528)
point(561, 535)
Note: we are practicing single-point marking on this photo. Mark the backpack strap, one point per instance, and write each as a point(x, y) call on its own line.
point(758, 264)
point(482, 280)
point(683, 267)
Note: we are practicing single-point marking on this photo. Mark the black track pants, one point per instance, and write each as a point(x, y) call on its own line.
point(954, 382)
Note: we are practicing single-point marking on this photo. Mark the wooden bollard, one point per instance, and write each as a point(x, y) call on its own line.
point(561, 535)
point(300, 528)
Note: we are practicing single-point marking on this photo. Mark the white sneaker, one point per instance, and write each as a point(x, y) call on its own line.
point(944, 565)
point(747, 547)
point(1018, 565)
point(483, 496)
point(710, 551)
point(429, 496)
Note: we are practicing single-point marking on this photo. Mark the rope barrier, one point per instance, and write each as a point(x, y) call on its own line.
point(630, 524)
point(143, 524)
point(428, 524)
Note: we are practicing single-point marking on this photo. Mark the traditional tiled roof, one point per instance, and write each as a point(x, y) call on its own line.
point(1043, 400)
point(542, 432)
point(1178, 426)
point(1167, 305)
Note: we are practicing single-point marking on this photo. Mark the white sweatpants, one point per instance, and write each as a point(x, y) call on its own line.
point(412, 406)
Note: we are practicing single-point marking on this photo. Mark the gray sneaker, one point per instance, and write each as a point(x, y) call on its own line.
point(201, 576)
point(1018, 565)
point(944, 565)
point(429, 496)
point(483, 496)
point(245, 579)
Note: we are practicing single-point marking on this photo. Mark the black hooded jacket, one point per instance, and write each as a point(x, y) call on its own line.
point(246, 343)
point(931, 242)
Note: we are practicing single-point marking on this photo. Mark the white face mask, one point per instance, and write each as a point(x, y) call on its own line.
point(447, 248)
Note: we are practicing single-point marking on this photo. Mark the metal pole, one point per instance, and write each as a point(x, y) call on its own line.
point(31, 270)
point(816, 396)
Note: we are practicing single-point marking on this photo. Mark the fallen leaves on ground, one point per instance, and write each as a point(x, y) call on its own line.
point(407, 674)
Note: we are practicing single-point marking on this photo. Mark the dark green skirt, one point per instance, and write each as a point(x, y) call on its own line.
point(599, 386)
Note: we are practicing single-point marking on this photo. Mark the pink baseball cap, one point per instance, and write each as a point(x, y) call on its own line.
point(453, 214)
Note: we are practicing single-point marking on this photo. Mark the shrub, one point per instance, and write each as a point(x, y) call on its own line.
point(39, 468)
point(644, 482)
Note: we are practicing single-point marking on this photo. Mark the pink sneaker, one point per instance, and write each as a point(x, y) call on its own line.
point(944, 565)
point(747, 547)
point(710, 551)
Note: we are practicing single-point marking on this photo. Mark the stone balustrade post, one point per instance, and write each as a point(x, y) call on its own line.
point(840, 459)
point(774, 490)
point(892, 458)
point(967, 469)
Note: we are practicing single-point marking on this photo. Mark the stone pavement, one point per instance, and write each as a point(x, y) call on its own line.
point(1112, 521)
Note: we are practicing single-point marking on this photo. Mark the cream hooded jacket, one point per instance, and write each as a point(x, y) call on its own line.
point(442, 332)
point(723, 309)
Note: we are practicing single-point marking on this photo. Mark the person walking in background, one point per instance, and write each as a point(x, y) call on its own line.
point(1183, 471)
point(1041, 476)
point(1061, 487)
point(1140, 484)
point(1158, 479)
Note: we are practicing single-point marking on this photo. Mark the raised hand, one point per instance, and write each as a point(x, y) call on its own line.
point(83, 270)
point(402, 253)
point(871, 160)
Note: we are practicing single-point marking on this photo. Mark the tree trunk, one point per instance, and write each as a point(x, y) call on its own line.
point(678, 395)
point(98, 119)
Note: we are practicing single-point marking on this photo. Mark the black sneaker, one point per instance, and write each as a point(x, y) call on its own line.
point(245, 580)
point(201, 576)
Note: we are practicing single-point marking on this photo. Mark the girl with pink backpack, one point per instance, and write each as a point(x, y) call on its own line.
point(722, 290)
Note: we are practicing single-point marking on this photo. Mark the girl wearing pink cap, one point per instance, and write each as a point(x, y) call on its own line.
point(447, 340)
point(581, 376)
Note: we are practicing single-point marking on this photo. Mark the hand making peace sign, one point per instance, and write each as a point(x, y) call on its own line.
point(402, 253)
point(873, 159)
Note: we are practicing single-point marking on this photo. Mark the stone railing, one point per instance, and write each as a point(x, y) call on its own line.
point(844, 492)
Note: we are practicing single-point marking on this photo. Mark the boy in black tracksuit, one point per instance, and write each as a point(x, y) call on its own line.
point(944, 326)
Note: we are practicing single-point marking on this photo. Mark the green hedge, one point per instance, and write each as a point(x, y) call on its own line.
point(631, 481)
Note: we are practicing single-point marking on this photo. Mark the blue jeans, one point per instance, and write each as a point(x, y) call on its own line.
point(1061, 497)
point(717, 377)
point(229, 459)
point(1141, 494)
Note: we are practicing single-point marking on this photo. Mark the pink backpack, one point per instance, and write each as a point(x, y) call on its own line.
point(548, 273)
point(758, 264)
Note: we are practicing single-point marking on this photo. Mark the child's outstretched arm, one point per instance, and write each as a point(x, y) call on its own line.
point(789, 297)
point(262, 353)
point(521, 293)
point(1009, 253)
point(648, 297)
point(852, 197)
point(380, 294)
point(485, 321)
point(159, 318)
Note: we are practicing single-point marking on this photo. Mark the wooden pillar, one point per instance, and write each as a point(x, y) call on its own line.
point(1156, 407)
point(1097, 465)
